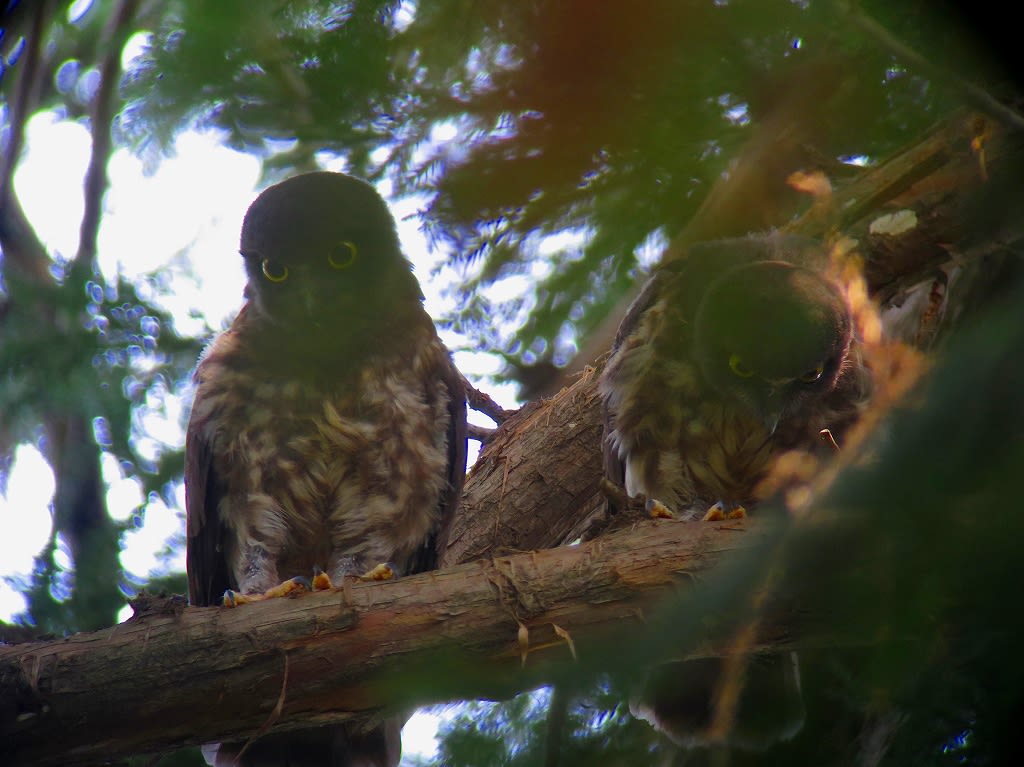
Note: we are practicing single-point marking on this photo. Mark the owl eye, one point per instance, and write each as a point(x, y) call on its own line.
point(273, 270)
point(343, 255)
point(736, 366)
point(813, 375)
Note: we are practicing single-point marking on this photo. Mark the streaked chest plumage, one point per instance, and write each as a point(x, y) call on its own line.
point(343, 475)
point(682, 442)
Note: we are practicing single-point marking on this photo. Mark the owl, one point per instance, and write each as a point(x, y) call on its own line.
point(739, 351)
point(735, 353)
point(328, 429)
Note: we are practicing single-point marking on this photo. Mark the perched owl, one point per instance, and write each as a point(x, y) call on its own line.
point(731, 355)
point(328, 428)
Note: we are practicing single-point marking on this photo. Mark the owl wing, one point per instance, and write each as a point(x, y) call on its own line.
point(429, 554)
point(614, 468)
point(205, 559)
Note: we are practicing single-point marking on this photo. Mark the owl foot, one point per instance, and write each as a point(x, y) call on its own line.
point(722, 510)
point(292, 586)
point(321, 580)
point(382, 572)
point(658, 510)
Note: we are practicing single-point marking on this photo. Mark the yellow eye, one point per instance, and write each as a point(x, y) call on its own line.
point(736, 366)
point(273, 270)
point(343, 255)
point(813, 375)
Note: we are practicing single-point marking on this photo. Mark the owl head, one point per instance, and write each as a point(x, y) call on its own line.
point(321, 250)
point(772, 336)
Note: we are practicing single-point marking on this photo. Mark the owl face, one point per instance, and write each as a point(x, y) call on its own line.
point(321, 250)
point(771, 336)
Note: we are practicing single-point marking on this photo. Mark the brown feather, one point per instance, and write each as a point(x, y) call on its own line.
point(733, 354)
point(328, 427)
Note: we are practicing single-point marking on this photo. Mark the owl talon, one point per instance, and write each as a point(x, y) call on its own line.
point(658, 510)
point(235, 598)
point(721, 511)
point(382, 572)
point(294, 585)
point(298, 584)
point(321, 580)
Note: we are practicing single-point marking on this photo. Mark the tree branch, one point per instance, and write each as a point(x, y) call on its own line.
point(538, 475)
point(192, 675)
point(25, 96)
point(104, 106)
point(972, 94)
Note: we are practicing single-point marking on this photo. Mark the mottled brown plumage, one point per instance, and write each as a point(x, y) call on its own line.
point(729, 356)
point(329, 423)
point(732, 355)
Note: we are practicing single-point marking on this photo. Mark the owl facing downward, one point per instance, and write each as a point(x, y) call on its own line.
point(729, 357)
point(736, 353)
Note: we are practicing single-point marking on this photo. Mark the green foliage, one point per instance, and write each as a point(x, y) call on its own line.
point(84, 351)
point(563, 117)
point(111, 351)
point(84, 358)
point(596, 729)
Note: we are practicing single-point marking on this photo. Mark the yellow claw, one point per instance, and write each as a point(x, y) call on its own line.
point(292, 586)
point(321, 580)
point(235, 598)
point(382, 572)
point(658, 510)
point(719, 512)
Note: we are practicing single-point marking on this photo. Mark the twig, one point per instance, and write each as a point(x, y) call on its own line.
point(22, 247)
point(481, 434)
point(482, 403)
point(23, 103)
point(103, 110)
point(272, 717)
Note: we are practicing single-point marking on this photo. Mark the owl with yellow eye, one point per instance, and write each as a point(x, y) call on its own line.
point(327, 439)
point(736, 352)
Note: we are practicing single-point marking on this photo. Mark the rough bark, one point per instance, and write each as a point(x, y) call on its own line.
point(537, 476)
point(175, 675)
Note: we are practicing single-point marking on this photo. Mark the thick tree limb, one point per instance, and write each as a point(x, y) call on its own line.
point(537, 476)
point(192, 675)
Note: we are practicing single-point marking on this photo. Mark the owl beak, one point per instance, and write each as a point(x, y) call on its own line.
point(772, 408)
point(309, 305)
